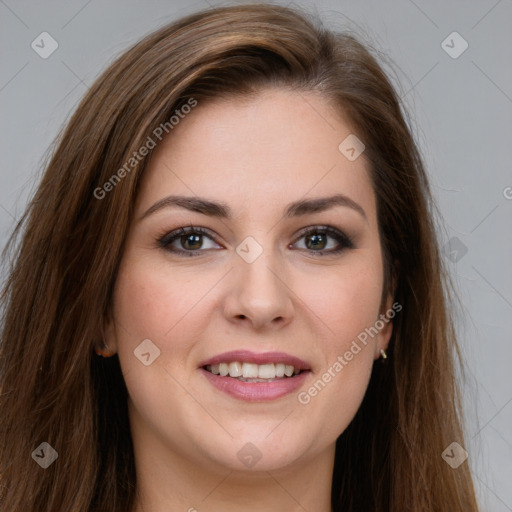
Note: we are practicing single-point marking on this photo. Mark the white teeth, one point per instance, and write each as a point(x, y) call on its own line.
point(250, 370)
point(288, 370)
point(266, 371)
point(235, 369)
point(244, 371)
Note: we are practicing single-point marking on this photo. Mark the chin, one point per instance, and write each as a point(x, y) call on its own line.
point(253, 453)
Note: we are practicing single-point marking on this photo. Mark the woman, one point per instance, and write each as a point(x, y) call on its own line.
point(228, 292)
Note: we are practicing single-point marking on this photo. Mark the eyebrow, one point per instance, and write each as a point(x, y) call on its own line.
point(223, 211)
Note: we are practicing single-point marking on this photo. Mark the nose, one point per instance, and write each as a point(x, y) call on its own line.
point(258, 294)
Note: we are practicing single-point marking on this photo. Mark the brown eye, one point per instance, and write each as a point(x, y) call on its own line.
point(188, 241)
point(325, 240)
point(316, 241)
point(191, 242)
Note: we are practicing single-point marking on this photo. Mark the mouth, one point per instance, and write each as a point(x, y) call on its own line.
point(255, 377)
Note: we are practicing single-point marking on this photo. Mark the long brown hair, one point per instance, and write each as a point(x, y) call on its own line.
point(67, 247)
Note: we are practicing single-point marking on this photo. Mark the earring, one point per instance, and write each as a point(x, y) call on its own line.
point(383, 354)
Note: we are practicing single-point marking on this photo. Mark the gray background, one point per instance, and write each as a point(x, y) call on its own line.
point(462, 117)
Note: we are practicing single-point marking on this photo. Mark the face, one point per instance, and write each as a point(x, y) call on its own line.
point(264, 276)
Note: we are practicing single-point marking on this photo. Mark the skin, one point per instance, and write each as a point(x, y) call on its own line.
point(256, 155)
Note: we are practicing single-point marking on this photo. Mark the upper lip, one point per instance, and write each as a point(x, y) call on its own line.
point(246, 356)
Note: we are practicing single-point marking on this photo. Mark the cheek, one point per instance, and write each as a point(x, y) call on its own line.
point(148, 306)
point(169, 306)
point(346, 300)
point(347, 303)
point(150, 302)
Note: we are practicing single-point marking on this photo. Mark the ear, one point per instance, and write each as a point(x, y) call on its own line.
point(385, 325)
point(388, 311)
point(108, 334)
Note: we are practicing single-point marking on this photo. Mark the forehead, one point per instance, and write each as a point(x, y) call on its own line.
point(258, 153)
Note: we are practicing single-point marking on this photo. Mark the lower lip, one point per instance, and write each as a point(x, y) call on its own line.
point(256, 391)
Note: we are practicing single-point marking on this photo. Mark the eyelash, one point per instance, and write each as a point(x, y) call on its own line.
point(344, 240)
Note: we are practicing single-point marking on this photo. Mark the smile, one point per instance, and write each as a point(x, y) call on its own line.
point(250, 372)
point(252, 377)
